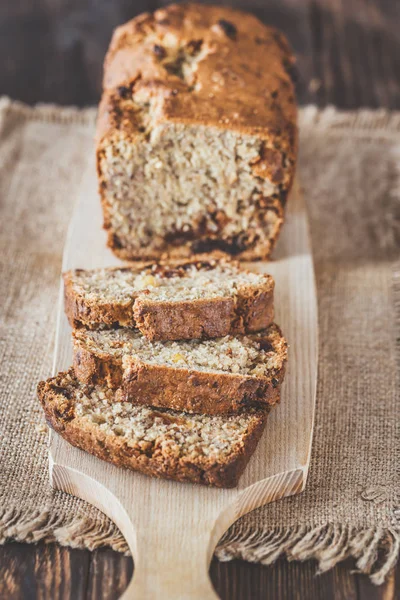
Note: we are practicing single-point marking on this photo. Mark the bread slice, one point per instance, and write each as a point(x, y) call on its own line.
point(192, 299)
point(158, 442)
point(196, 134)
point(218, 376)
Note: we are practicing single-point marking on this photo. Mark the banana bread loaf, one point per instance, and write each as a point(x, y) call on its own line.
point(217, 376)
point(171, 302)
point(197, 136)
point(158, 442)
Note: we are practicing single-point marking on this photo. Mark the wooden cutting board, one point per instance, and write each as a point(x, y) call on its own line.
point(172, 528)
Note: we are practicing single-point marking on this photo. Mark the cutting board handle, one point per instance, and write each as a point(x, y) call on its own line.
point(171, 538)
point(170, 565)
point(172, 547)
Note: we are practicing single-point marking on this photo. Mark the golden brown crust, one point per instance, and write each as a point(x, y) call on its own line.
point(234, 87)
point(250, 310)
point(82, 312)
point(203, 319)
point(58, 403)
point(191, 319)
point(196, 391)
point(181, 389)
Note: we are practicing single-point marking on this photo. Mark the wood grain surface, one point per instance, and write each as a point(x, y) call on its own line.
point(172, 529)
point(51, 51)
point(50, 572)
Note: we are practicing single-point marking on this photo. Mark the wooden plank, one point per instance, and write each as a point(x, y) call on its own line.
point(389, 591)
point(283, 581)
point(48, 572)
point(172, 528)
point(58, 573)
point(109, 574)
point(83, 575)
point(355, 48)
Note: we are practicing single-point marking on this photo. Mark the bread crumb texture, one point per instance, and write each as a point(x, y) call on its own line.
point(185, 282)
point(198, 438)
point(258, 355)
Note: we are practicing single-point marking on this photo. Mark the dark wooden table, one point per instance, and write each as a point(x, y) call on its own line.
point(51, 51)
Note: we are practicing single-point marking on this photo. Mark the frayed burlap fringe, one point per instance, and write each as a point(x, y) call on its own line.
point(375, 549)
point(76, 532)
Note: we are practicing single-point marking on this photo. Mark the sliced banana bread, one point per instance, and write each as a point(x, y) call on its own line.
point(163, 443)
point(197, 136)
point(216, 376)
point(170, 302)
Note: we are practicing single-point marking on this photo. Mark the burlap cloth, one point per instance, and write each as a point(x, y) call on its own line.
point(350, 171)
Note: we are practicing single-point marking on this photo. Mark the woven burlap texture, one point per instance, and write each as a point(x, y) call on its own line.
point(350, 170)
